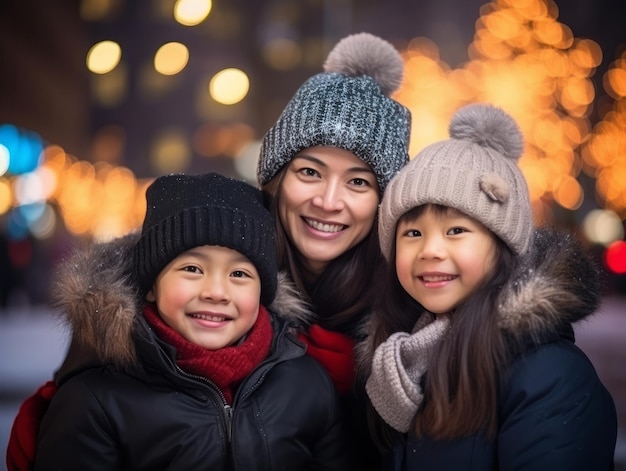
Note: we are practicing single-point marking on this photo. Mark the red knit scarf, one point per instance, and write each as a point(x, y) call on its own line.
point(227, 366)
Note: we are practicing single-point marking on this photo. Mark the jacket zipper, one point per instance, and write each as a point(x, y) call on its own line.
point(227, 410)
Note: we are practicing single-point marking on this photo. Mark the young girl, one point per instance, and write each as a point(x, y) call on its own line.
point(472, 351)
point(195, 369)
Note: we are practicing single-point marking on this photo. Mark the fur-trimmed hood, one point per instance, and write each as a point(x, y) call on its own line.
point(557, 284)
point(96, 297)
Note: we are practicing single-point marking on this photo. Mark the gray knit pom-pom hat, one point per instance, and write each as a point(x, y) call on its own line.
point(475, 172)
point(346, 106)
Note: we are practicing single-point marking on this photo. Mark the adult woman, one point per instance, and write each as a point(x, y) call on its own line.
point(323, 168)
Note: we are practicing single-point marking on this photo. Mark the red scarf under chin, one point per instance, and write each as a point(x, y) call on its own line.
point(227, 366)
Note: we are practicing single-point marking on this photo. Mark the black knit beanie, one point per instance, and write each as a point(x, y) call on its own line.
point(186, 211)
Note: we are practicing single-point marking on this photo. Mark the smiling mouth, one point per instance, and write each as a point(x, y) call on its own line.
point(209, 318)
point(433, 278)
point(324, 227)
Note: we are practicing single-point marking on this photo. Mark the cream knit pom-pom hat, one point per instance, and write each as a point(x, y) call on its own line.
point(475, 172)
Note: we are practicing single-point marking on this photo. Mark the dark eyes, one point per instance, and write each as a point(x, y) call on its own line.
point(308, 172)
point(234, 274)
point(452, 231)
point(311, 172)
point(360, 182)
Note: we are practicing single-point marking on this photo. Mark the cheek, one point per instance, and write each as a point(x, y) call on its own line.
point(172, 293)
point(250, 296)
point(288, 203)
point(366, 210)
point(292, 193)
point(403, 270)
point(248, 304)
point(480, 263)
point(489, 263)
point(283, 209)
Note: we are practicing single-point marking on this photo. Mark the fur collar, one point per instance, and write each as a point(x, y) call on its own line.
point(558, 284)
point(96, 297)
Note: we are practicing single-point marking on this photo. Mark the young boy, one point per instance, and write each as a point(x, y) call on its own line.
point(192, 370)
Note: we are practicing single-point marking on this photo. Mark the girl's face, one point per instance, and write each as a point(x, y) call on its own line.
point(442, 257)
point(327, 205)
point(209, 295)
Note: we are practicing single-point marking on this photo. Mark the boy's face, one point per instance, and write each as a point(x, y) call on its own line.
point(209, 295)
point(442, 257)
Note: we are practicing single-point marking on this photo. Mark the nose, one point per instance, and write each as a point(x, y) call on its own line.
point(330, 197)
point(432, 247)
point(214, 289)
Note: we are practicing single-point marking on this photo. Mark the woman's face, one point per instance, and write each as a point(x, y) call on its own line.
point(327, 205)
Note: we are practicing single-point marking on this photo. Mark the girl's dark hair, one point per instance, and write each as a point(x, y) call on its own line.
point(461, 384)
point(341, 297)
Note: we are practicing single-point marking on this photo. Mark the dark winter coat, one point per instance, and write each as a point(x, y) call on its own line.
point(553, 411)
point(133, 408)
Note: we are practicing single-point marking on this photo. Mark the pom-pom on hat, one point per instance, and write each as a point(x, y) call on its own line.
point(346, 106)
point(475, 172)
point(187, 211)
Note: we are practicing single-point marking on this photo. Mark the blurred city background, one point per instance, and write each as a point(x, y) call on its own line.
point(98, 97)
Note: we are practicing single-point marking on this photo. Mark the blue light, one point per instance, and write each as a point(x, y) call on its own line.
point(24, 148)
point(16, 226)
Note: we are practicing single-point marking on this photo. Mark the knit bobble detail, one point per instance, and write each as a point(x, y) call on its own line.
point(489, 127)
point(366, 54)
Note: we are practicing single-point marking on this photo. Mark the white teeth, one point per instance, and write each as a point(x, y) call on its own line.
point(209, 318)
point(324, 227)
point(438, 278)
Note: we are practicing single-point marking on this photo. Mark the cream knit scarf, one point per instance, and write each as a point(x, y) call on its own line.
point(398, 364)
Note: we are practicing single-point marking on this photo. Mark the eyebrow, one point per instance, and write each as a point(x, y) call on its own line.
point(310, 158)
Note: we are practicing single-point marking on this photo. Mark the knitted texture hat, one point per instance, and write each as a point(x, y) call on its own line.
point(186, 211)
point(475, 172)
point(347, 106)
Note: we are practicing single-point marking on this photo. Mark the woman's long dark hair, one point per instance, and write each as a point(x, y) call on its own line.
point(342, 296)
point(461, 385)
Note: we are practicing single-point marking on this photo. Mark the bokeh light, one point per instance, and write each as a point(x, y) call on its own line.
point(229, 86)
point(521, 58)
point(103, 57)
point(192, 12)
point(6, 196)
point(615, 257)
point(602, 227)
point(171, 58)
point(4, 159)
point(170, 151)
point(21, 149)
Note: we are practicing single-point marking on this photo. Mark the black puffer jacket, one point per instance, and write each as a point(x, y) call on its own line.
point(133, 408)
